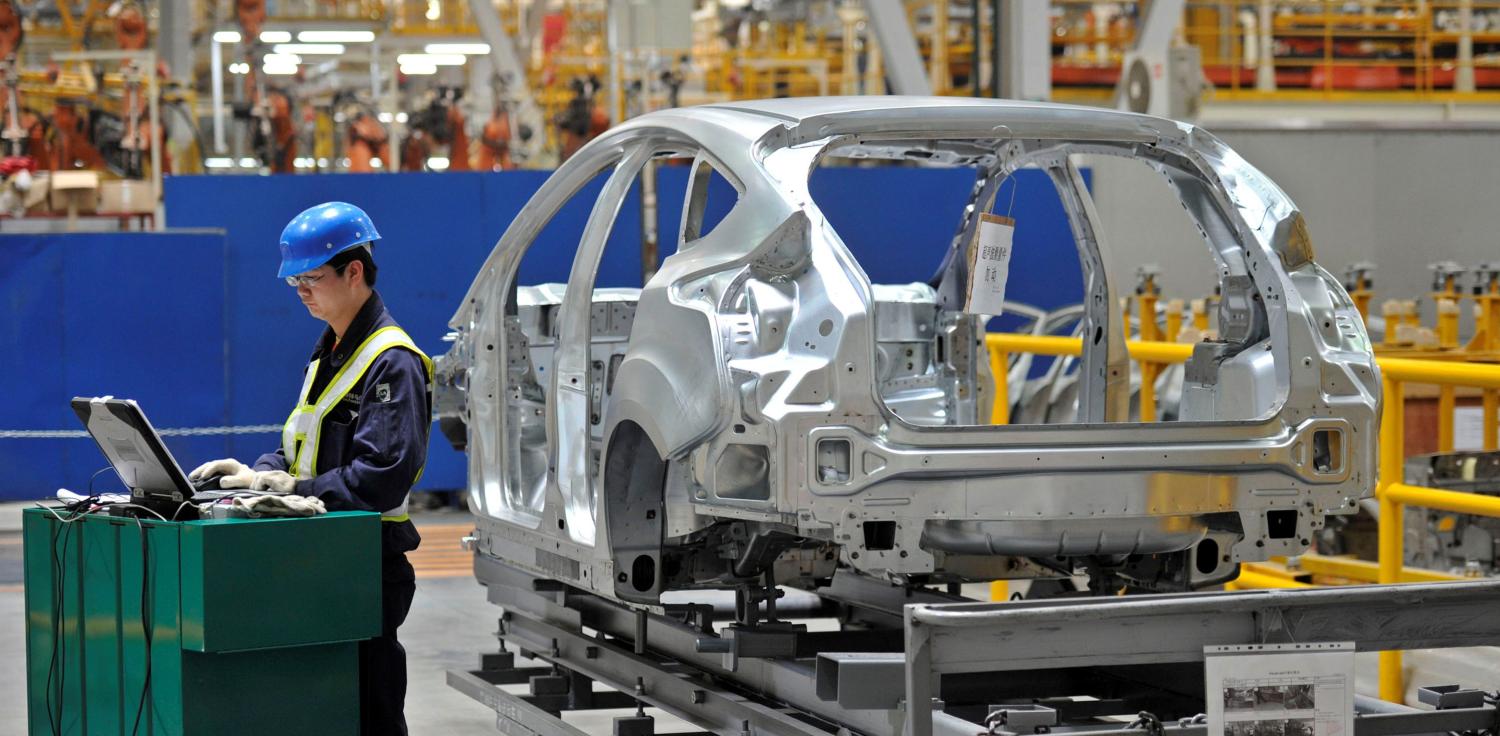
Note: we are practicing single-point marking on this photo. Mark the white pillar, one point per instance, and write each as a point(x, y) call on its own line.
point(1265, 71)
point(1463, 79)
point(1025, 50)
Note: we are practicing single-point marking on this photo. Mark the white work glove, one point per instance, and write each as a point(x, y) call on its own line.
point(278, 481)
point(230, 469)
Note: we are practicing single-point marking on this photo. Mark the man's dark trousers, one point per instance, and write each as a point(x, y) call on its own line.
point(382, 660)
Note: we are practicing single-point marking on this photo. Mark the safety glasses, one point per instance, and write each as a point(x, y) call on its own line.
point(310, 281)
point(304, 280)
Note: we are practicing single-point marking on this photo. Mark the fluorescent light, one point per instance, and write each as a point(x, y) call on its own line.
point(248, 163)
point(437, 163)
point(281, 64)
point(432, 59)
point(275, 36)
point(417, 69)
point(218, 163)
point(457, 48)
point(227, 36)
point(336, 36)
point(239, 67)
point(309, 48)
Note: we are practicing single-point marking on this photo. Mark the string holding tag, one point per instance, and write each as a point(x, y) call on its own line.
point(1015, 184)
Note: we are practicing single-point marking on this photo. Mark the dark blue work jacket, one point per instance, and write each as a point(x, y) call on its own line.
point(373, 445)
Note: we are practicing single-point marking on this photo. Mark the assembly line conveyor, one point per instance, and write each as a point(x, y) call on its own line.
point(1016, 666)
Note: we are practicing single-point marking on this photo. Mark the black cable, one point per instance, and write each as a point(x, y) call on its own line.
point(145, 622)
point(57, 666)
point(56, 605)
point(59, 642)
point(59, 662)
point(90, 492)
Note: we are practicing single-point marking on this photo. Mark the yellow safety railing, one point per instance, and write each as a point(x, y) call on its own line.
point(1393, 495)
point(1350, 568)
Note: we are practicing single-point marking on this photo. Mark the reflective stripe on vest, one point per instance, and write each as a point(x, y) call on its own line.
point(302, 431)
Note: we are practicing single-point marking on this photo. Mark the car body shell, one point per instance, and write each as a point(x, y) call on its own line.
point(740, 415)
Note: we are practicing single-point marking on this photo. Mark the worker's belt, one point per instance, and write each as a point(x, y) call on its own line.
point(300, 434)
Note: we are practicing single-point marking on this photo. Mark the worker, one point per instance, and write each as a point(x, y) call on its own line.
point(357, 437)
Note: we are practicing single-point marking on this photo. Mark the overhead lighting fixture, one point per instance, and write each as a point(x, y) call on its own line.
point(418, 68)
point(218, 163)
point(227, 36)
point(249, 163)
point(434, 9)
point(432, 59)
point(472, 49)
point(281, 64)
point(239, 67)
point(437, 163)
point(275, 36)
point(309, 48)
point(336, 36)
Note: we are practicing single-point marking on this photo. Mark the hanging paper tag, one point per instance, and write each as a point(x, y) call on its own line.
point(989, 265)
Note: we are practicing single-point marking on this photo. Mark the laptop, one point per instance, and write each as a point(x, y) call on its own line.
point(138, 455)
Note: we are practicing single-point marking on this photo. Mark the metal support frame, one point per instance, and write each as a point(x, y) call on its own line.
point(145, 61)
point(1145, 76)
point(972, 653)
point(174, 45)
point(216, 74)
point(1023, 49)
point(1002, 637)
point(174, 36)
point(511, 73)
point(903, 61)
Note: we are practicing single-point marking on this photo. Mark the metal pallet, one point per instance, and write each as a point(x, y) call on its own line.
point(958, 664)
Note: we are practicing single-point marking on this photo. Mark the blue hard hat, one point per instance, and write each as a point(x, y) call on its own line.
point(320, 233)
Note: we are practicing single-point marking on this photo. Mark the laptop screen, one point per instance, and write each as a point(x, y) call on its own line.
point(133, 447)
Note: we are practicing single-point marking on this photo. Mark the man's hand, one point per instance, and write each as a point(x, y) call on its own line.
point(229, 469)
point(278, 481)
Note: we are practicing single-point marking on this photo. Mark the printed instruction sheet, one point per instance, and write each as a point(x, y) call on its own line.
point(989, 265)
point(1280, 689)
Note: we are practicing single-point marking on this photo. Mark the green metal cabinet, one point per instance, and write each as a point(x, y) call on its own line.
point(254, 623)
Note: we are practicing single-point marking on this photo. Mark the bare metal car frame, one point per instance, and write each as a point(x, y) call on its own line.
point(738, 420)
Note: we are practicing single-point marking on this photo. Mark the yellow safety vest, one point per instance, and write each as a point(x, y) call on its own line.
point(303, 429)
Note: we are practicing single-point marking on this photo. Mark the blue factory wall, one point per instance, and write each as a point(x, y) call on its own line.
point(193, 324)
